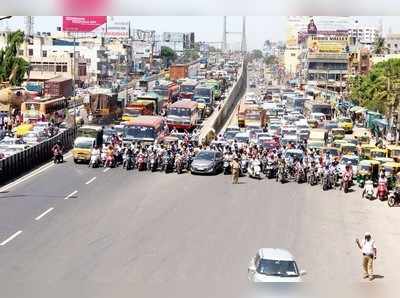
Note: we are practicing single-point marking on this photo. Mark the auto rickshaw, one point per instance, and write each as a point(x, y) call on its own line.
point(394, 152)
point(363, 136)
point(23, 129)
point(366, 151)
point(337, 133)
point(333, 151)
point(379, 153)
point(391, 170)
point(312, 123)
point(350, 139)
point(367, 170)
point(383, 160)
point(338, 143)
point(348, 148)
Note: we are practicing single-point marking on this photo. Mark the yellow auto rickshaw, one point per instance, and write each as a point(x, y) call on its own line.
point(338, 133)
point(366, 151)
point(333, 151)
point(391, 169)
point(394, 152)
point(377, 152)
point(23, 129)
point(348, 148)
point(368, 170)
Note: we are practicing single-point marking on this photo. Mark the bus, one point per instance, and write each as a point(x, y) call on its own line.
point(167, 90)
point(186, 89)
point(323, 108)
point(44, 109)
point(183, 114)
point(145, 129)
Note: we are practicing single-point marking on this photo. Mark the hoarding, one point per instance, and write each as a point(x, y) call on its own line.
point(82, 23)
point(327, 44)
point(173, 37)
point(117, 29)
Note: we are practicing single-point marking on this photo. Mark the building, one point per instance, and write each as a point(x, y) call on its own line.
point(365, 35)
point(392, 43)
point(291, 60)
point(359, 62)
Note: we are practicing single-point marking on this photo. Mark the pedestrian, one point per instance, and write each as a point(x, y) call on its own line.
point(368, 250)
point(235, 170)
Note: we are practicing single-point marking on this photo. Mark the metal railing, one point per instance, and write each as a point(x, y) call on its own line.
point(26, 160)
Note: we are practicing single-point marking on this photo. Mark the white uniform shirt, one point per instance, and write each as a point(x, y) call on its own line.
point(368, 247)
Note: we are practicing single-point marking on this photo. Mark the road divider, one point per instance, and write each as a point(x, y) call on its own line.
point(10, 238)
point(44, 213)
point(217, 120)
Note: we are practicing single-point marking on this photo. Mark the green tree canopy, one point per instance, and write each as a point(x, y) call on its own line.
point(168, 55)
point(271, 60)
point(256, 54)
point(380, 88)
point(12, 67)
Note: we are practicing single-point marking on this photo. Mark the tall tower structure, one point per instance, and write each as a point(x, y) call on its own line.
point(29, 26)
point(224, 45)
point(243, 46)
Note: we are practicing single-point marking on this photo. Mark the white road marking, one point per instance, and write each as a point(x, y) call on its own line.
point(106, 170)
point(33, 174)
point(91, 180)
point(44, 213)
point(10, 238)
point(71, 194)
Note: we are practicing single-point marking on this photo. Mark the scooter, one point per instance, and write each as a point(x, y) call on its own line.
point(58, 157)
point(180, 164)
point(129, 164)
point(110, 162)
point(95, 161)
point(270, 169)
point(282, 175)
point(346, 181)
point(368, 191)
point(170, 162)
point(153, 164)
point(326, 181)
point(254, 169)
point(227, 167)
point(382, 191)
point(300, 175)
point(312, 177)
point(141, 163)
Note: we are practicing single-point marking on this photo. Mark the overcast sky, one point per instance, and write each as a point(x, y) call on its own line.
point(206, 28)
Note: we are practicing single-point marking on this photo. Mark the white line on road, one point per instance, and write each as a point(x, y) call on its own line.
point(71, 194)
point(33, 174)
point(10, 238)
point(44, 213)
point(106, 170)
point(91, 180)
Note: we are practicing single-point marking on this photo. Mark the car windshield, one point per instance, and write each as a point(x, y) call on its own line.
point(207, 155)
point(181, 112)
point(277, 268)
point(331, 125)
point(187, 88)
point(230, 134)
point(140, 132)
point(353, 161)
point(83, 144)
point(202, 92)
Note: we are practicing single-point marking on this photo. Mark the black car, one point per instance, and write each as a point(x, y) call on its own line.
point(207, 162)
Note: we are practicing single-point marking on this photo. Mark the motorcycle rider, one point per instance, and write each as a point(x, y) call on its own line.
point(347, 174)
point(95, 155)
point(381, 182)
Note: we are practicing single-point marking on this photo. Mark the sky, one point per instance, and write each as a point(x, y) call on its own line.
point(206, 28)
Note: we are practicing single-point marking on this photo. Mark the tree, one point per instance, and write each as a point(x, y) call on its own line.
point(379, 46)
point(271, 60)
point(256, 54)
point(12, 67)
point(168, 55)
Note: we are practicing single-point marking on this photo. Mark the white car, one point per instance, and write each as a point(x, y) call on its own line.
point(274, 265)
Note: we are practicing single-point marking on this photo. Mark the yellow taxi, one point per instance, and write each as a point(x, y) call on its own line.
point(346, 123)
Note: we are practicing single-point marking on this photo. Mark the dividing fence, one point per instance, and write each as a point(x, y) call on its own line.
point(26, 160)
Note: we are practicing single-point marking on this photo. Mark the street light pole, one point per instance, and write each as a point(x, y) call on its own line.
point(73, 80)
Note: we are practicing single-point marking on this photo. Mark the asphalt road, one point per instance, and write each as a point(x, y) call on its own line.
point(147, 234)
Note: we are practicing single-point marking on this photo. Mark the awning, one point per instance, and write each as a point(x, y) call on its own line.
point(360, 110)
point(355, 108)
point(381, 122)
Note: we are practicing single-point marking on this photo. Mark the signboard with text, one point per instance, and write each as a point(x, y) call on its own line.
point(82, 23)
point(117, 29)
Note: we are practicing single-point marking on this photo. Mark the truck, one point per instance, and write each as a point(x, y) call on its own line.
point(137, 108)
point(58, 87)
point(178, 71)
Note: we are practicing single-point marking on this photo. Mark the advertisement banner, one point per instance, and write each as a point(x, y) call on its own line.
point(332, 44)
point(82, 23)
point(117, 29)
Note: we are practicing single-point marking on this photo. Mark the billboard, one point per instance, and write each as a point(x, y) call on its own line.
point(117, 29)
point(82, 23)
point(173, 37)
point(327, 44)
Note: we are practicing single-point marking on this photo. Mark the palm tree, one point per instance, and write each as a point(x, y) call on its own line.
point(12, 67)
point(379, 46)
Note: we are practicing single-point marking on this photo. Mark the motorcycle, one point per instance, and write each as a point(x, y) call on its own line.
point(394, 197)
point(153, 164)
point(270, 170)
point(227, 167)
point(254, 169)
point(282, 174)
point(312, 177)
point(141, 162)
point(129, 164)
point(95, 161)
point(170, 162)
point(326, 180)
point(368, 191)
point(382, 191)
point(58, 157)
point(109, 162)
point(300, 174)
point(346, 181)
point(243, 166)
point(180, 164)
